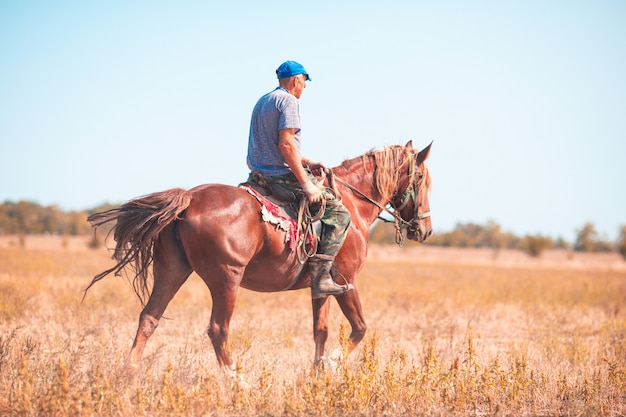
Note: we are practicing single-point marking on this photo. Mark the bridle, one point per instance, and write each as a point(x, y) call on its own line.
point(410, 194)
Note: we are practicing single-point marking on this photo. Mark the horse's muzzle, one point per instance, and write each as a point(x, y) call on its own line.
point(416, 234)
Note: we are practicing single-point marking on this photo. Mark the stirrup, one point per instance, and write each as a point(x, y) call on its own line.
point(331, 289)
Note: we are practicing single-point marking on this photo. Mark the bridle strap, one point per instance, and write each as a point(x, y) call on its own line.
point(408, 195)
point(365, 197)
point(399, 223)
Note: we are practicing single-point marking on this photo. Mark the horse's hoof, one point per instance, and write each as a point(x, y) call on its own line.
point(240, 383)
point(130, 371)
point(337, 355)
point(236, 379)
point(331, 362)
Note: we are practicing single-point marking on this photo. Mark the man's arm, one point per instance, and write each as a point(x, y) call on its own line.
point(293, 159)
point(288, 150)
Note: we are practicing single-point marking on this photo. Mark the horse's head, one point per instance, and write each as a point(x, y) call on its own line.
point(401, 181)
point(411, 197)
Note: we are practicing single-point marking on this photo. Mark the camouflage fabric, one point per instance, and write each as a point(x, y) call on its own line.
point(335, 220)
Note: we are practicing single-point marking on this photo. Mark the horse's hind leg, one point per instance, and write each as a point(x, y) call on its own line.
point(219, 326)
point(170, 270)
point(223, 282)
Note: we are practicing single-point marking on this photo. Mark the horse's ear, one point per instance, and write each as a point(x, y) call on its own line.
point(409, 145)
point(423, 154)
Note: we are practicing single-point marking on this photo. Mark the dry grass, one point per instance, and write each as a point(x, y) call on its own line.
point(448, 335)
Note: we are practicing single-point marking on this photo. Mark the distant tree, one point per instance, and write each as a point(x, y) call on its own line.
point(26, 214)
point(7, 225)
point(534, 245)
point(621, 243)
point(472, 235)
point(493, 235)
point(382, 233)
point(76, 223)
point(26, 217)
point(561, 243)
point(588, 240)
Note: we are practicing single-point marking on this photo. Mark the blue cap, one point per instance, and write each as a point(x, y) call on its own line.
point(291, 68)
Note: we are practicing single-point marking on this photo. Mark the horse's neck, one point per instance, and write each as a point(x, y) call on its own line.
point(359, 173)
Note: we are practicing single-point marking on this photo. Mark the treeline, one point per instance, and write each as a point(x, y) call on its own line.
point(491, 235)
point(26, 217)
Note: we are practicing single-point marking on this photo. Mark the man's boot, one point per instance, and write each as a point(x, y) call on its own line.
point(322, 284)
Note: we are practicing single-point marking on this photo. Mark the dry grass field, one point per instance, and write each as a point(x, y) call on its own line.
point(451, 333)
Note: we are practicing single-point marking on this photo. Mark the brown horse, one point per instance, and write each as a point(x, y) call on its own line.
point(216, 231)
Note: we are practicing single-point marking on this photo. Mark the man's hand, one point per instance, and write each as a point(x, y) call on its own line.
point(313, 193)
point(317, 168)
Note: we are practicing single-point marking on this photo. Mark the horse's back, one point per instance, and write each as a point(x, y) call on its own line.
point(223, 216)
point(209, 198)
point(223, 229)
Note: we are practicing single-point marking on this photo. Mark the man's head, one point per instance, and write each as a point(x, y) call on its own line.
point(289, 69)
point(292, 77)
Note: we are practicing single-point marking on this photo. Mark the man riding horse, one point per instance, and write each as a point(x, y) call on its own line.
point(168, 235)
point(274, 152)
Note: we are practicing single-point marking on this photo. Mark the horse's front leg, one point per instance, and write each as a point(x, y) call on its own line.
point(350, 305)
point(321, 308)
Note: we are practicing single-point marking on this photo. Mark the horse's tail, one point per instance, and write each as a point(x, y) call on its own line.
point(138, 225)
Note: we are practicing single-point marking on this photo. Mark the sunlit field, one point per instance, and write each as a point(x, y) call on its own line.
point(451, 333)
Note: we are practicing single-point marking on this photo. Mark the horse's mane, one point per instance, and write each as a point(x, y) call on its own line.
point(388, 164)
point(426, 182)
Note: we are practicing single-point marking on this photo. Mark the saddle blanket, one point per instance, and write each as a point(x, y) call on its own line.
point(274, 214)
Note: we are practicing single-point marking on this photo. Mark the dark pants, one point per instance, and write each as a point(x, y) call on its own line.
point(335, 220)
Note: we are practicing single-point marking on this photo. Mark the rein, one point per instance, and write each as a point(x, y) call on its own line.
point(305, 229)
point(399, 223)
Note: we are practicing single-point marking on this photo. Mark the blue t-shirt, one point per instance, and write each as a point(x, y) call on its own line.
point(274, 111)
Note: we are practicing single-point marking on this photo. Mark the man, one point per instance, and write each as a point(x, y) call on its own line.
point(274, 152)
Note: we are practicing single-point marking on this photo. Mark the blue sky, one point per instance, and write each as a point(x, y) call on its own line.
point(525, 101)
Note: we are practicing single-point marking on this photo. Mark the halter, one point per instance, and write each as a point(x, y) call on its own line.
point(410, 193)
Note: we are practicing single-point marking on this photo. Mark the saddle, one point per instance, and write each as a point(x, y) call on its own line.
point(288, 210)
point(277, 193)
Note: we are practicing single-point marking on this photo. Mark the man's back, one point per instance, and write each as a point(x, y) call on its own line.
point(274, 111)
